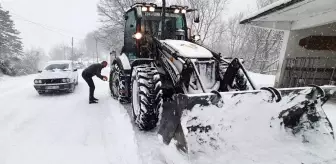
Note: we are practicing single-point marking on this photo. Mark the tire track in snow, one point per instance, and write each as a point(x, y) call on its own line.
point(117, 133)
point(148, 143)
point(118, 136)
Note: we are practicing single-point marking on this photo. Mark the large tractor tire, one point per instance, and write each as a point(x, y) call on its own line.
point(116, 84)
point(146, 97)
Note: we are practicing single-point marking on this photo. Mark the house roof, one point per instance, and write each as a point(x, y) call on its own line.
point(294, 14)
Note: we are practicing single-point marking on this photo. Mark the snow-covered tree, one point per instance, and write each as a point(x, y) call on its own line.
point(211, 23)
point(59, 52)
point(111, 14)
point(10, 43)
point(263, 3)
point(31, 61)
point(259, 47)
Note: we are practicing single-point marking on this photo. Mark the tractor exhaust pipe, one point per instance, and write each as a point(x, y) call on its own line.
point(163, 19)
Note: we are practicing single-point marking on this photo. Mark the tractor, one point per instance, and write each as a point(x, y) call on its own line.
point(162, 71)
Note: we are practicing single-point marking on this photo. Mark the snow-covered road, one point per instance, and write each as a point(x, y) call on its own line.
point(65, 129)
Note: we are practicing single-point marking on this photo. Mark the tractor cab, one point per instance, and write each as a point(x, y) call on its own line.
point(145, 20)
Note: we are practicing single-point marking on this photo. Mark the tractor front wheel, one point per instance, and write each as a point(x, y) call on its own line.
point(146, 97)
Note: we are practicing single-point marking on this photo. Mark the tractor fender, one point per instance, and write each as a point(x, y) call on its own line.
point(123, 63)
point(140, 61)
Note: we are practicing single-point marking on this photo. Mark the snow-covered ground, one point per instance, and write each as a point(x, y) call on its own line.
point(65, 129)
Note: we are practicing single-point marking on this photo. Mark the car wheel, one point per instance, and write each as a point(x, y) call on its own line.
point(40, 92)
point(72, 89)
point(77, 81)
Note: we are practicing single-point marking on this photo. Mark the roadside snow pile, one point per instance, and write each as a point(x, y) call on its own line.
point(261, 80)
point(250, 131)
point(3, 77)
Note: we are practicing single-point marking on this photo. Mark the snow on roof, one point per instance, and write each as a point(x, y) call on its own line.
point(294, 14)
point(269, 9)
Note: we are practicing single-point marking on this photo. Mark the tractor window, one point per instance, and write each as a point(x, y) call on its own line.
point(151, 24)
point(179, 23)
point(130, 30)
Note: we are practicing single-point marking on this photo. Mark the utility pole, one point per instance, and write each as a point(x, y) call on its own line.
point(64, 51)
point(97, 48)
point(72, 57)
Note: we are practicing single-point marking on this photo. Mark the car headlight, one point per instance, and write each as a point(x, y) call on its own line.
point(66, 80)
point(38, 81)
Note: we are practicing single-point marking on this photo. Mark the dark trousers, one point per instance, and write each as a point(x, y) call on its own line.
point(89, 81)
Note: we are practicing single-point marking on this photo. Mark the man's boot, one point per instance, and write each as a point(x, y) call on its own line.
point(93, 102)
point(93, 98)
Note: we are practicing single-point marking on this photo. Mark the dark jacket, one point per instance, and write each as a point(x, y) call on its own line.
point(93, 70)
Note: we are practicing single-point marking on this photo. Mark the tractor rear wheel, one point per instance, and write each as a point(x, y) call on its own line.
point(116, 84)
point(146, 97)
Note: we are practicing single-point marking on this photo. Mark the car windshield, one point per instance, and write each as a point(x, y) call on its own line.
point(52, 67)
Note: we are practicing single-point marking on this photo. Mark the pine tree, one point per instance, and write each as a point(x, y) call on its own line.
point(10, 43)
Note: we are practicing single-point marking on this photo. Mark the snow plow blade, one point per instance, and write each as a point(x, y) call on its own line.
point(200, 122)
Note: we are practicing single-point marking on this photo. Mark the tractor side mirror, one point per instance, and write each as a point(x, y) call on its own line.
point(39, 71)
point(75, 70)
point(197, 19)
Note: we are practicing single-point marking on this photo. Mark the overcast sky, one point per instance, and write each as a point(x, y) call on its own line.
point(58, 20)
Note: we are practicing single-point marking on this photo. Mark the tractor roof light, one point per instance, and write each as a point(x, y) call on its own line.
point(183, 11)
point(151, 9)
point(144, 8)
point(176, 11)
point(137, 36)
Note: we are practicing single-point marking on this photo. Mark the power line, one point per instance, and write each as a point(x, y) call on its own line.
point(46, 27)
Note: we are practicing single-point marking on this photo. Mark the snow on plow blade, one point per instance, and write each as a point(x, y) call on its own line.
point(205, 122)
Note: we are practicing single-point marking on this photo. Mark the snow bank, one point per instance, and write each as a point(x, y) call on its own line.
point(3, 77)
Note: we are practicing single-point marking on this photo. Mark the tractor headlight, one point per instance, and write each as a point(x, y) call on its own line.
point(137, 35)
point(196, 37)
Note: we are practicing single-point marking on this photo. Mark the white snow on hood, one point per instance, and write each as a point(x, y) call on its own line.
point(57, 74)
point(188, 49)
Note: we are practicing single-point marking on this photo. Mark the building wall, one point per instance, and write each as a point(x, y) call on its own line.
point(313, 64)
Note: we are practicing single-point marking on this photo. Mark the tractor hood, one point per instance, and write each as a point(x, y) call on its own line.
point(188, 49)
